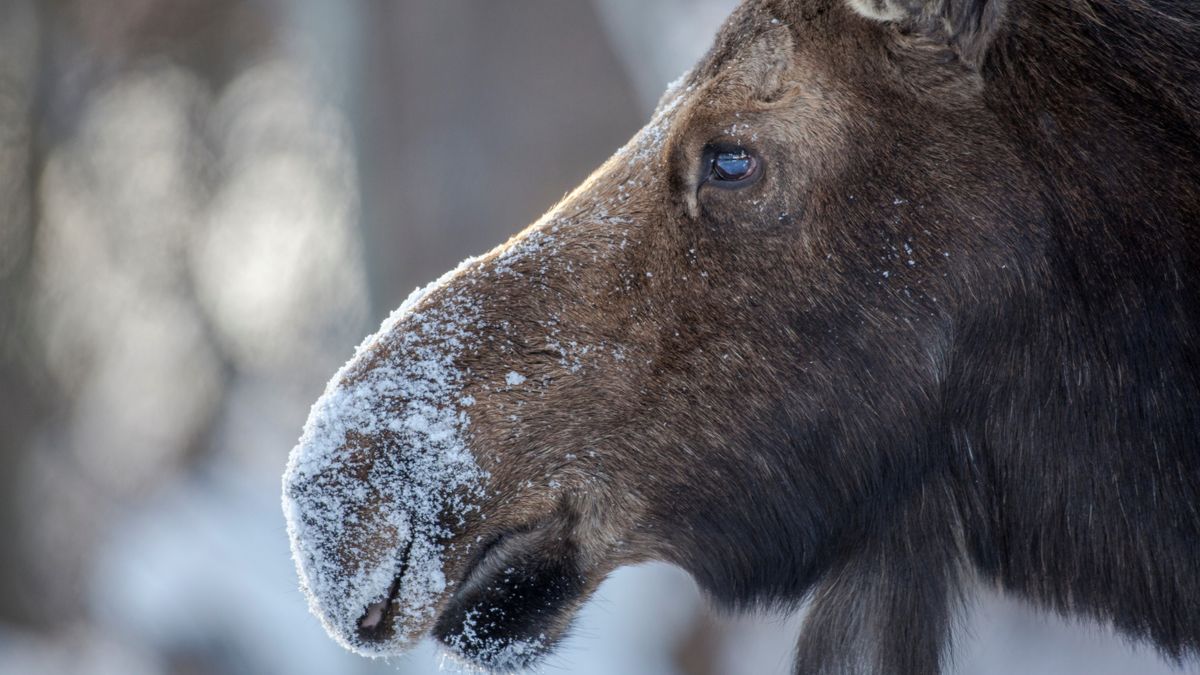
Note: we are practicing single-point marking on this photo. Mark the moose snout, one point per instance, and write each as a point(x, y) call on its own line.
point(386, 498)
point(381, 468)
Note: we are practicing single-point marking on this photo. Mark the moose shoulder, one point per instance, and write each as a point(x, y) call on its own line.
point(891, 298)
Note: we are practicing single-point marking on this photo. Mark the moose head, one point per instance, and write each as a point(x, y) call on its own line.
point(890, 296)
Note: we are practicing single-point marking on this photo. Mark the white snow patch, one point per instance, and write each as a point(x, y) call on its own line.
point(513, 378)
point(501, 656)
point(648, 142)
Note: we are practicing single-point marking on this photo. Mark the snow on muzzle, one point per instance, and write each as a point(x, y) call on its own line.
point(380, 465)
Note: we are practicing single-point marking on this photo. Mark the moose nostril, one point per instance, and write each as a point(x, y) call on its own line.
point(371, 621)
point(376, 623)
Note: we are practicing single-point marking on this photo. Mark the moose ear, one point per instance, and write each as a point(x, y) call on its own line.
point(969, 25)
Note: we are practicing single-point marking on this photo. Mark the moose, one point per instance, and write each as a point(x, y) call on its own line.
point(890, 301)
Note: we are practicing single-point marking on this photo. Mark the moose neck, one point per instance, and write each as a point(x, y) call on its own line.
point(1071, 400)
point(1080, 439)
point(1079, 403)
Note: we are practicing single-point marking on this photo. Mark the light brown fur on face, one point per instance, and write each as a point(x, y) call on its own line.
point(825, 381)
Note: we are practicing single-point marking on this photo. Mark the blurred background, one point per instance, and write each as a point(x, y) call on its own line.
point(204, 206)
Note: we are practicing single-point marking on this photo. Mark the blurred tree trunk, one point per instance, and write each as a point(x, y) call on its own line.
point(658, 41)
point(472, 127)
point(22, 389)
point(55, 55)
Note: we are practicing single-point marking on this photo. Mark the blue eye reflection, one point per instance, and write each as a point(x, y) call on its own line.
point(733, 166)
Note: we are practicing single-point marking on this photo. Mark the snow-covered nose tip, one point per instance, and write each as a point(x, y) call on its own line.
point(382, 461)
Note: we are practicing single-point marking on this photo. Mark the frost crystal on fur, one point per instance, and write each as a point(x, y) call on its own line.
point(402, 391)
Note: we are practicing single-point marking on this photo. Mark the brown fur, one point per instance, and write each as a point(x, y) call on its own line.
point(951, 334)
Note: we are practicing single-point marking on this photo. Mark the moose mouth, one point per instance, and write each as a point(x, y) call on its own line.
point(509, 607)
point(377, 623)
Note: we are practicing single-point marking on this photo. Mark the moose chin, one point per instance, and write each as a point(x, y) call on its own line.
point(891, 299)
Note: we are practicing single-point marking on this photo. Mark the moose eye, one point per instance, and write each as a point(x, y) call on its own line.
point(732, 168)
